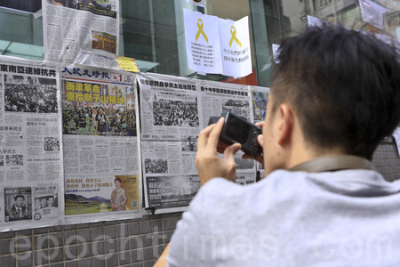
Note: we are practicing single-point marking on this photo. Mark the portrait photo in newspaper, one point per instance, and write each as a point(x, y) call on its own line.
point(100, 195)
point(30, 94)
point(17, 204)
point(98, 109)
point(45, 202)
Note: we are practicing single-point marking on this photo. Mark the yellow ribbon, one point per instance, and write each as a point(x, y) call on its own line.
point(200, 31)
point(234, 37)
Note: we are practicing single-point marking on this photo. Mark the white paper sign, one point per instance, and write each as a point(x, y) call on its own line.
point(275, 52)
point(372, 13)
point(202, 42)
point(315, 22)
point(235, 47)
point(196, 2)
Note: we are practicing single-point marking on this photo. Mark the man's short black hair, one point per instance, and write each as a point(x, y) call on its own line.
point(19, 196)
point(344, 86)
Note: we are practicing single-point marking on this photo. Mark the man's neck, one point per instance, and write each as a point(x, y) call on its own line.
point(334, 163)
point(304, 153)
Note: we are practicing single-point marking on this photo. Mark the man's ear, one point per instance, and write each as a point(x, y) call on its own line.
point(286, 121)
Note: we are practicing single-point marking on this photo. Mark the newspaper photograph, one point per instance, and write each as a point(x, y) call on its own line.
point(102, 162)
point(171, 178)
point(27, 95)
point(17, 204)
point(101, 195)
point(259, 97)
point(169, 107)
point(217, 97)
point(45, 202)
point(30, 139)
point(172, 191)
point(97, 109)
point(81, 31)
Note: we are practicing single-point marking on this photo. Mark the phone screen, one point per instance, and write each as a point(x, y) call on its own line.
point(237, 129)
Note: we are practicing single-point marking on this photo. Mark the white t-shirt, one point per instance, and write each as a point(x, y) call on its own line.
point(342, 218)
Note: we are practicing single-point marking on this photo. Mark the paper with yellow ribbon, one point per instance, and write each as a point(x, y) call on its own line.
point(234, 38)
point(202, 42)
point(127, 64)
point(235, 47)
point(200, 25)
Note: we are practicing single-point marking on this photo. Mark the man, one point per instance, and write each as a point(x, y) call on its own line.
point(55, 200)
point(334, 96)
point(50, 201)
point(43, 203)
point(18, 210)
point(21, 101)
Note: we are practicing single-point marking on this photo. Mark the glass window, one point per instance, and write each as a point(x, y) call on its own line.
point(152, 31)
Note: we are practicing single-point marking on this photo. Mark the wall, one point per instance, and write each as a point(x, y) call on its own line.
point(104, 244)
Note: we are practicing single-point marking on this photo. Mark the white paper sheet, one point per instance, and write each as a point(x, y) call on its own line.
point(82, 32)
point(202, 42)
point(235, 47)
point(372, 13)
point(31, 172)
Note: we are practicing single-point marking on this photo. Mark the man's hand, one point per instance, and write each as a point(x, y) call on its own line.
point(222, 146)
point(209, 164)
point(260, 140)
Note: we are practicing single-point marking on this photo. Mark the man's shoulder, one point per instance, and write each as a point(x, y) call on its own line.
point(280, 188)
point(220, 196)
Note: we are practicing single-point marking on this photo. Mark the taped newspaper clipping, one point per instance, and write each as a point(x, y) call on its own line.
point(101, 147)
point(81, 31)
point(174, 110)
point(31, 172)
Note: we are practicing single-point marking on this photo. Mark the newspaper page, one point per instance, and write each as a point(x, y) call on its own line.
point(174, 110)
point(169, 107)
point(170, 128)
point(373, 13)
point(31, 173)
point(81, 31)
point(218, 97)
point(101, 148)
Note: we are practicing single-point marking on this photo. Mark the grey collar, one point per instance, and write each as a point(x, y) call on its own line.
point(334, 163)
